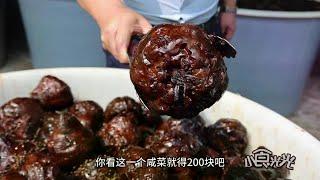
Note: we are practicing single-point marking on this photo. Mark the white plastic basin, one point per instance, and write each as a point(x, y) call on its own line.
point(264, 126)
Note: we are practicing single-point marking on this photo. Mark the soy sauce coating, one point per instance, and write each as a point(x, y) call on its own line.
point(89, 113)
point(40, 166)
point(20, 118)
point(178, 70)
point(252, 173)
point(173, 144)
point(194, 126)
point(63, 142)
point(53, 93)
point(66, 138)
point(178, 138)
point(182, 173)
point(9, 161)
point(243, 173)
point(121, 106)
point(13, 153)
point(134, 153)
point(232, 160)
point(12, 175)
point(120, 131)
point(89, 171)
point(209, 172)
point(149, 118)
point(227, 135)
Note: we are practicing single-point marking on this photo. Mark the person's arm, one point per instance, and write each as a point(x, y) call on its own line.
point(117, 23)
point(228, 18)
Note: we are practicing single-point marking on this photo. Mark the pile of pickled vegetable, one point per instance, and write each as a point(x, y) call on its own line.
point(50, 135)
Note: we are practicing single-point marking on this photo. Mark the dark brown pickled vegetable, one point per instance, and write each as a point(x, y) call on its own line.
point(53, 93)
point(175, 138)
point(148, 124)
point(182, 173)
point(150, 118)
point(54, 145)
point(9, 161)
point(178, 70)
point(120, 131)
point(40, 166)
point(273, 173)
point(209, 172)
point(194, 126)
point(144, 132)
point(232, 160)
point(178, 138)
point(66, 138)
point(20, 118)
point(13, 153)
point(89, 171)
point(133, 153)
point(89, 113)
point(242, 173)
point(174, 144)
point(121, 106)
point(12, 176)
point(227, 135)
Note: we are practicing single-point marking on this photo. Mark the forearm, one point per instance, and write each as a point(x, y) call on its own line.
point(228, 11)
point(230, 3)
point(100, 10)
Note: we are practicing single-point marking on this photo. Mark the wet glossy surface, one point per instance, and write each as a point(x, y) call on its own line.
point(89, 113)
point(132, 172)
point(121, 106)
point(88, 170)
point(40, 166)
point(178, 70)
point(227, 135)
point(120, 131)
point(63, 148)
point(20, 118)
point(53, 93)
point(174, 138)
point(66, 138)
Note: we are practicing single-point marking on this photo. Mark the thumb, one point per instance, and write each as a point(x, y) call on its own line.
point(123, 55)
point(229, 33)
point(223, 29)
point(144, 25)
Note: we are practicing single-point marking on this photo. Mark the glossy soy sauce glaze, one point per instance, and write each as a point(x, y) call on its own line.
point(37, 142)
point(20, 117)
point(178, 70)
point(89, 113)
point(53, 93)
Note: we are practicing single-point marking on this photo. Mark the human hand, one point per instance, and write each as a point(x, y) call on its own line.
point(117, 24)
point(117, 30)
point(228, 24)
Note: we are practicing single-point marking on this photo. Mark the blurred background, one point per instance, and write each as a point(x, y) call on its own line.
point(278, 44)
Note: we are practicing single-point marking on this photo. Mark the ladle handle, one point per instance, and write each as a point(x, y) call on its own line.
point(133, 44)
point(223, 46)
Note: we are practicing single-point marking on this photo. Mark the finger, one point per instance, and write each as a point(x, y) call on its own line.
point(227, 34)
point(223, 29)
point(230, 33)
point(122, 42)
point(108, 39)
point(103, 44)
point(145, 25)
